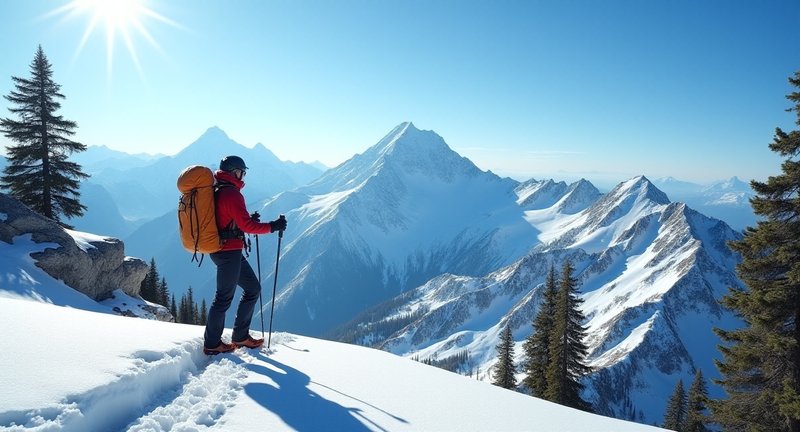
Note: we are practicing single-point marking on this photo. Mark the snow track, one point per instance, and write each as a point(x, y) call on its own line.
point(179, 389)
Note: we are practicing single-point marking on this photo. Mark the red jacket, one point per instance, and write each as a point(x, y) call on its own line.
point(229, 204)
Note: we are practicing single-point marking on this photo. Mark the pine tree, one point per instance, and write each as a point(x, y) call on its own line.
point(504, 369)
point(184, 310)
point(149, 288)
point(567, 347)
point(537, 346)
point(195, 313)
point(173, 309)
point(203, 313)
point(188, 312)
point(698, 399)
point(163, 292)
point(38, 172)
point(675, 416)
point(761, 361)
point(191, 307)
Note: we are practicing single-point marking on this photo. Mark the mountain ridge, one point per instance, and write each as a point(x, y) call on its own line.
point(405, 210)
point(650, 297)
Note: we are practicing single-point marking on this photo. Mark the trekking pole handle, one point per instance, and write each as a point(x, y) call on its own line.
point(282, 217)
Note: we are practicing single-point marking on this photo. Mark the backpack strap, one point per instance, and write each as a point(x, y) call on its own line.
point(194, 225)
point(231, 231)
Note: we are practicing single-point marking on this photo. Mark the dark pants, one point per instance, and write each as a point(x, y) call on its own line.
point(232, 269)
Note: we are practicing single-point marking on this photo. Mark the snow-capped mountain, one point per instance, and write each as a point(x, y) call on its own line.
point(149, 191)
point(728, 200)
point(731, 192)
point(98, 158)
point(538, 194)
point(543, 194)
point(407, 209)
point(677, 189)
point(650, 271)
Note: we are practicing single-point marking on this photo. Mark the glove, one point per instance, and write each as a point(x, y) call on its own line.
point(255, 217)
point(278, 225)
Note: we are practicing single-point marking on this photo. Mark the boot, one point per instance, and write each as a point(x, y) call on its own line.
point(221, 348)
point(249, 342)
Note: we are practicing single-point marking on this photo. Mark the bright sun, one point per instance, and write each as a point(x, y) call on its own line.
point(114, 13)
point(118, 17)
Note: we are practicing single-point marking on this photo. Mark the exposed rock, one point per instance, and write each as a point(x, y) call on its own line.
point(96, 272)
point(136, 307)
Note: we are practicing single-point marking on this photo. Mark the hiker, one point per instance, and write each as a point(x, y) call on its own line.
point(233, 221)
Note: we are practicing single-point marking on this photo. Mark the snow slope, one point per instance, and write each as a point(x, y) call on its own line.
point(78, 366)
point(99, 372)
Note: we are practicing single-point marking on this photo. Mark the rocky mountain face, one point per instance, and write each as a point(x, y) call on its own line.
point(728, 200)
point(92, 265)
point(404, 211)
point(651, 273)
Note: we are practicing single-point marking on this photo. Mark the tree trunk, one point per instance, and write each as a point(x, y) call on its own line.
point(47, 199)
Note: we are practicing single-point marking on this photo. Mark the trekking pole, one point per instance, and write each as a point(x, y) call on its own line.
point(275, 284)
point(260, 303)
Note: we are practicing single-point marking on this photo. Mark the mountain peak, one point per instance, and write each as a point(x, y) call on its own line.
point(405, 150)
point(214, 141)
point(214, 132)
point(402, 134)
point(643, 188)
point(737, 183)
point(421, 151)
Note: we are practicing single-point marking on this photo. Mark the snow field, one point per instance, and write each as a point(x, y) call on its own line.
point(100, 372)
point(202, 401)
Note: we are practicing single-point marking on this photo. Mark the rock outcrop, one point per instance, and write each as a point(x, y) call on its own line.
point(95, 268)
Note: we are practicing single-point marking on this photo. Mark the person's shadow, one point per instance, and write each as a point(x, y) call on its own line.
point(298, 406)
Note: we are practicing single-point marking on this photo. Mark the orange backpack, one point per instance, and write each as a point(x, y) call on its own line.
point(196, 215)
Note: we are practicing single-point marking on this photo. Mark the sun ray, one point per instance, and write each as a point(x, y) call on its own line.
point(86, 34)
point(132, 51)
point(122, 20)
point(149, 38)
point(109, 51)
point(153, 14)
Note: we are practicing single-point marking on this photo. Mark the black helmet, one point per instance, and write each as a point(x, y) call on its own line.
point(230, 163)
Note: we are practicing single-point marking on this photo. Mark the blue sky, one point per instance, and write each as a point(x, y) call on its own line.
point(566, 89)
